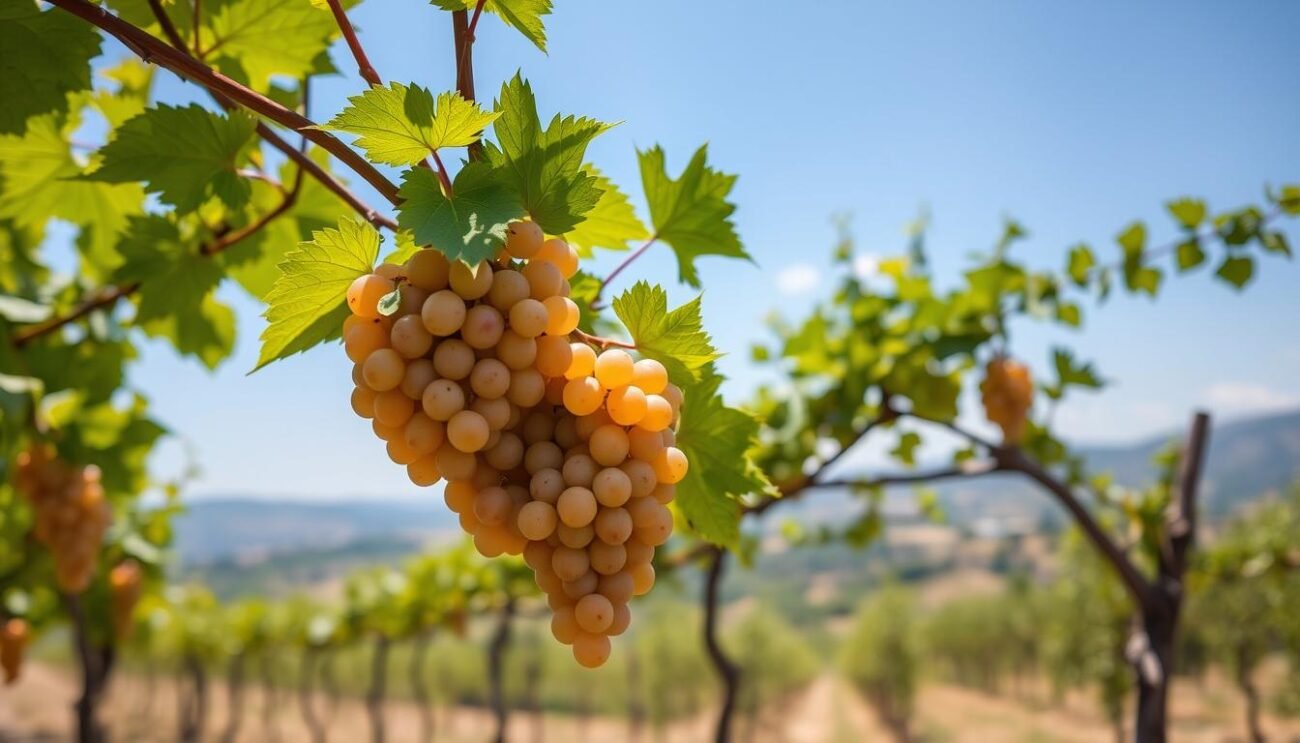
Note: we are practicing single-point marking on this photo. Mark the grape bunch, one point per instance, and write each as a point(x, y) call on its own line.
point(1008, 393)
point(549, 450)
point(14, 635)
point(71, 513)
point(124, 585)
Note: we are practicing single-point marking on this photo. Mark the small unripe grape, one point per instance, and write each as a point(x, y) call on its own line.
point(658, 414)
point(364, 339)
point(609, 445)
point(508, 288)
point(453, 359)
point(562, 316)
point(606, 558)
point(442, 399)
point(641, 476)
point(419, 375)
point(392, 408)
point(428, 270)
point(591, 651)
point(583, 363)
point(537, 520)
point(467, 431)
point(443, 313)
point(546, 485)
point(622, 620)
point(493, 506)
point(626, 405)
point(470, 282)
point(383, 370)
point(594, 613)
point(495, 412)
point(528, 318)
point(650, 376)
point(553, 356)
point(424, 471)
point(456, 464)
point(558, 253)
point(507, 454)
point(544, 280)
point(614, 368)
point(579, 470)
point(583, 396)
point(483, 326)
point(617, 587)
point(424, 434)
point(612, 486)
point(523, 239)
point(365, 292)
point(410, 338)
point(570, 564)
point(527, 388)
point(670, 465)
point(490, 378)
point(516, 351)
point(586, 585)
point(577, 506)
point(459, 496)
point(564, 626)
point(363, 402)
point(543, 455)
point(613, 525)
point(575, 537)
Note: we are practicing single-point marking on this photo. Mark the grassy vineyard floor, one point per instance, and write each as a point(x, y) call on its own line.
point(829, 711)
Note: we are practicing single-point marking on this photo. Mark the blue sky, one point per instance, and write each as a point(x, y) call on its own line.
point(1074, 119)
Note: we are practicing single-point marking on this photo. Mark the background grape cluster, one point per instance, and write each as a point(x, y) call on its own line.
point(1007, 392)
point(71, 513)
point(477, 375)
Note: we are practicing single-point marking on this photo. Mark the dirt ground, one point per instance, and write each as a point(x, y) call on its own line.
point(37, 709)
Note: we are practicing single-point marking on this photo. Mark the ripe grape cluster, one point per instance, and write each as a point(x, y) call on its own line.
point(1008, 393)
point(124, 585)
point(549, 450)
point(71, 513)
point(14, 635)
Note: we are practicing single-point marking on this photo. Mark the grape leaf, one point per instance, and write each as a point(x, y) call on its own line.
point(1188, 211)
point(261, 38)
point(691, 213)
point(471, 225)
point(524, 15)
point(1236, 270)
point(716, 440)
point(544, 166)
point(401, 125)
point(308, 303)
point(46, 56)
point(185, 155)
point(676, 339)
point(610, 224)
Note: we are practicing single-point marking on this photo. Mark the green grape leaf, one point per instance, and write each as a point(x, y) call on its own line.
point(134, 81)
point(185, 155)
point(401, 125)
point(1189, 255)
point(905, 450)
point(1275, 242)
point(41, 181)
point(308, 304)
point(1081, 262)
point(691, 213)
point(1289, 199)
point(544, 165)
point(205, 331)
point(611, 224)
point(676, 339)
point(1189, 212)
point(46, 56)
point(1236, 270)
point(525, 16)
point(1071, 373)
point(255, 39)
point(471, 225)
point(716, 440)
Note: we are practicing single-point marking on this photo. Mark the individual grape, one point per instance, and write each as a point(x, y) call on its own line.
point(453, 359)
point(560, 254)
point(469, 523)
point(387, 433)
point(365, 292)
point(612, 486)
point(606, 558)
point(528, 318)
point(410, 338)
point(579, 470)
point(570, 564)
point(428, 269)
point(658, 414)
point(566, 432)
point(583, 396)
point(650, 376)
point(467, 431)
point(542, 455)
point(638, 552)
point(516, 351)
point(527, 388)
point(392, 408)
point(583, 363)
point(673, 394)
point(664, 493)
point(508, 289)
point(483, 327)
point(626, 405)
point(495, 411)
point(577, 506)
point(443, 313)
point(537, 555)
point(492, 506)
point(546, 485)
point(591, 651)
point(544, 280)
point(617, 588)
point(614, 369)
point(455, 464)
point(412, 301)
point(364, 339)
point(553, 356)
point(419, 375)
point(670, 465)
point(643, 578)
point(506, 454)
point(613, 525)
point(537, 520)
point(576, 589)
point(490, 378)
point(586, 425)
point(383, 370)
point(424, 471)
point(363, 402)
point(470, 282)
point(564, 625)
point(555, 391)
point(390, 271)
point(609, 445)
point(562, 316)
point(460, 496)
point(641, 477)
point(442, 399)
point(622, 620)
point(401, 452)
point(594, 613)
point(652, 521)
point(574, 537)
point(523, 239)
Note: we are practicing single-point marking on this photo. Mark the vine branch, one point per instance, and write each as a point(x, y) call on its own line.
point(367, 70)
point(595, 303)
point(603, 343)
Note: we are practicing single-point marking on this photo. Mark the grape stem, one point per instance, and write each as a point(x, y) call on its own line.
point(367, 70)
point(595, 303)
point(603, 343)
point(442, 174)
